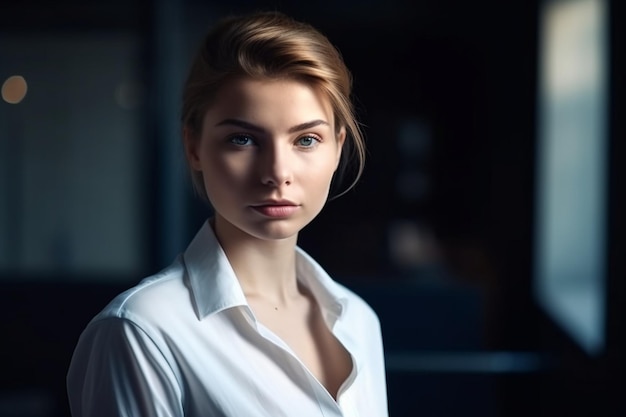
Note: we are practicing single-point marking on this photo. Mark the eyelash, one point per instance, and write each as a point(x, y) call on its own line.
point(234, 138)
point(316, 140)
point(250, 140)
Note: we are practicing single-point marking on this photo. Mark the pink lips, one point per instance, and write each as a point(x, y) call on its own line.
point(276, 209)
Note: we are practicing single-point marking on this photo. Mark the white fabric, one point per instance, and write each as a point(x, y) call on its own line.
point(185, 343)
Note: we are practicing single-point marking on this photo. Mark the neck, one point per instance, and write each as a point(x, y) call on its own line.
point(265, 269)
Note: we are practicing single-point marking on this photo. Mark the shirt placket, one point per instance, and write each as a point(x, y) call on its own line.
point(327, 404)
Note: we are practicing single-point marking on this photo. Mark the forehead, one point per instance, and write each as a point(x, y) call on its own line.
point(285, 100)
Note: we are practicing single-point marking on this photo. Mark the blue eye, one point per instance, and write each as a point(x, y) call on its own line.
point(307, 141)
point(241, 140)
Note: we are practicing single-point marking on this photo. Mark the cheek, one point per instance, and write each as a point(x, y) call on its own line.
point(321, 177)
point(223, 173)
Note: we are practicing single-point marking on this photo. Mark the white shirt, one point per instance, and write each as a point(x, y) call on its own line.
point(185, 342)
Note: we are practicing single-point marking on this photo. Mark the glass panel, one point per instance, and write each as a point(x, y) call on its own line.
point(572, 155)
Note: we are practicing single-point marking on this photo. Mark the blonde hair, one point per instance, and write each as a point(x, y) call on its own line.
point(271, 45)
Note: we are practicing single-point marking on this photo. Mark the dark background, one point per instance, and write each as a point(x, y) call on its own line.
point(463, 333)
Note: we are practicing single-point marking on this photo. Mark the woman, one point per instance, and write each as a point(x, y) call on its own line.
point(244, 323)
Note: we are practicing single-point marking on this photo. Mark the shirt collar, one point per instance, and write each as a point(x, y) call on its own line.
point(329, 294)
point(215, 287)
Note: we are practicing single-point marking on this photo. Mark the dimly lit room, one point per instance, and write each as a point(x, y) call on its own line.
point(485, 230)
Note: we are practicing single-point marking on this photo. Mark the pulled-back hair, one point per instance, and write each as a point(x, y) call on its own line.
point(267, 46)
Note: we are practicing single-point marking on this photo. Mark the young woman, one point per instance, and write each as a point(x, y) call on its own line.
point(244, 323)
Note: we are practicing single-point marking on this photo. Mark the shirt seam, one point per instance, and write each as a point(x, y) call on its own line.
point(160, 277)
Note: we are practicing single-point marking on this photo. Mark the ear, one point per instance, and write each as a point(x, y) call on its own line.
point(341, 139)
point(191, 143)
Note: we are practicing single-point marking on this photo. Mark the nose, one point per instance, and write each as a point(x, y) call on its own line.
point(276, 166)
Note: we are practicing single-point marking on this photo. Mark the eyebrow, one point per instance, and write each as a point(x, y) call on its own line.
point(255, 128)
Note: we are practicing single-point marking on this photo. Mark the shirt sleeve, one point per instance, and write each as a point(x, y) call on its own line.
point(118, 370)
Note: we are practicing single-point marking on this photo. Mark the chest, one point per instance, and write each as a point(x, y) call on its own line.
point(312, 342)
point(317, 348)
point(233, 369)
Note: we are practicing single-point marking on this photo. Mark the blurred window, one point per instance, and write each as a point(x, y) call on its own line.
point(71, 156)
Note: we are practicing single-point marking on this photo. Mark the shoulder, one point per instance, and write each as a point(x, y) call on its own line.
point(156, 298)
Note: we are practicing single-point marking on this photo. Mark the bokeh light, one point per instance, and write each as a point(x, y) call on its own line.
point(14, 89)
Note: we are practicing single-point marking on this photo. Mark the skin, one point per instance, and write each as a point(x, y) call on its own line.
point(267, 153)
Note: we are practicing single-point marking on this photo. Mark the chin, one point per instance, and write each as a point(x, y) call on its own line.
point(276, 229)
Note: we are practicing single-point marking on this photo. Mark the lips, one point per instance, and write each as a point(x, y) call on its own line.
point(276, 209)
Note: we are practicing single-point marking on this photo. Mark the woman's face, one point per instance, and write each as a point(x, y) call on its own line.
point(267, 153)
